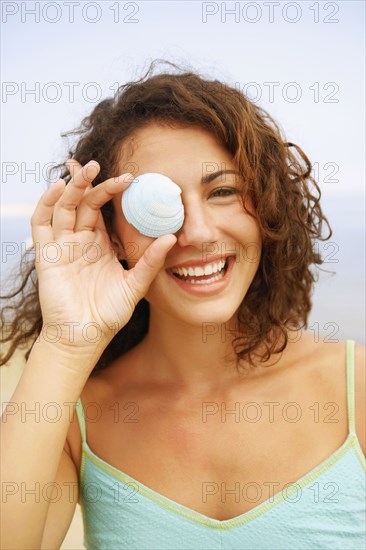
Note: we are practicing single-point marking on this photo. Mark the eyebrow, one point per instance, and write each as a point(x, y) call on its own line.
point(211, 177)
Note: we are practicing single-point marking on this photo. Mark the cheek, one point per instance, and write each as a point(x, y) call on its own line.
point(245, 227)
point(248, 235)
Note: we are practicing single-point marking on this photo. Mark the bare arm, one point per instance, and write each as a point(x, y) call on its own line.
point(360, 395)
point(34, 427)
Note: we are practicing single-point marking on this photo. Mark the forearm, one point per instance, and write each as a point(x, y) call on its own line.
point(34, 427)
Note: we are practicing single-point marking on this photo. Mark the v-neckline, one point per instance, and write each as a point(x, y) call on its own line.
point(198, 517)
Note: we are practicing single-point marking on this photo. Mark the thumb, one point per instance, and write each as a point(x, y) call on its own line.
point(144, 272)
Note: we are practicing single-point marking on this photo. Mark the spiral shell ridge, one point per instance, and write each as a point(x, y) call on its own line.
point(152, 204)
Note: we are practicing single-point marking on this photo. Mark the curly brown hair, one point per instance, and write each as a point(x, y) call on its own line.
point(278, 175)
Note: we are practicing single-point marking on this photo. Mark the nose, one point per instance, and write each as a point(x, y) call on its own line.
point(199, 227)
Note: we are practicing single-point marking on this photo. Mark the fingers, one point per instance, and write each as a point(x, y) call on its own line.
point(89, 210)
point(144, 272)
point(64, 214)
point(73, 167)
point(42, 231)
point(64, 209)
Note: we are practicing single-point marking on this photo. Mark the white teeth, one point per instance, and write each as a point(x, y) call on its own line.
point(209, 270)
point(206, 281)
point(200, 270)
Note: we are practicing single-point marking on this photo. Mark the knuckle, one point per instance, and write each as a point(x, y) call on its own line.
point(90, 201)
point(66, 205)
point(148, 259)
point(92, 204)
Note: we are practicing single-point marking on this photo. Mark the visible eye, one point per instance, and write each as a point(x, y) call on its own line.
point(224, 192)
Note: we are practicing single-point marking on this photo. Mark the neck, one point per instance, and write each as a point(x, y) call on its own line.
point(192, 359)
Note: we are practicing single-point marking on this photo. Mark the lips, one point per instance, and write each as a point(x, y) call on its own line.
point(205, 289)
point(200, 263)
point(200, 277)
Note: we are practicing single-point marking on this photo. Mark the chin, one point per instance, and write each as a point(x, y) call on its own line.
point(202, 314)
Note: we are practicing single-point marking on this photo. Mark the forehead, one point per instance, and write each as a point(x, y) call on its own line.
point(155, 144)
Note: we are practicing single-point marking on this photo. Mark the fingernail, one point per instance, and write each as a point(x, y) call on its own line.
point(124, 177)
point(91, 169)
point(70, 167)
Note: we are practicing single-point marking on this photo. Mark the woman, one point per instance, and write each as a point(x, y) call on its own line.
point(206, 415)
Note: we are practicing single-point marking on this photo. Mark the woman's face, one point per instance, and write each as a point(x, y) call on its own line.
point(216, 226)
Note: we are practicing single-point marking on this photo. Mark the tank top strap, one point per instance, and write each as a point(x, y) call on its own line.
point(81, 419)
point(351, 385)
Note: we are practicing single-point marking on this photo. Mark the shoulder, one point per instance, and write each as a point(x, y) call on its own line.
point(360, 394)
point(336, 377)
point(325, 364)
point(94, 393)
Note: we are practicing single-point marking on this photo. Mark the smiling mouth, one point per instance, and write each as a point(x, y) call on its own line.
point(203, 279)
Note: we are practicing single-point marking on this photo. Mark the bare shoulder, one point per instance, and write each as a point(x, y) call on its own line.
point(99, 389)
point(323, 362)
point(333, 358)
point(360, 394)
point(93, 393)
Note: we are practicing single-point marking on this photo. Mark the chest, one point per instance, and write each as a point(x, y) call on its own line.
point(219, 457)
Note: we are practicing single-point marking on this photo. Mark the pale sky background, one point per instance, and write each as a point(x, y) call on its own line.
point(307, 53)
point(323, 59)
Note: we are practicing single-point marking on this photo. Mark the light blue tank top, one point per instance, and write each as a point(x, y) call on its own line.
point(324, 509)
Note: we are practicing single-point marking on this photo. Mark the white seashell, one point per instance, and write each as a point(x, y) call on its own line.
point(152, 204)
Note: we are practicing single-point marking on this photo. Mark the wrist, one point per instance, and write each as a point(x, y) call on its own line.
point(68, 357)
point(71, 338)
